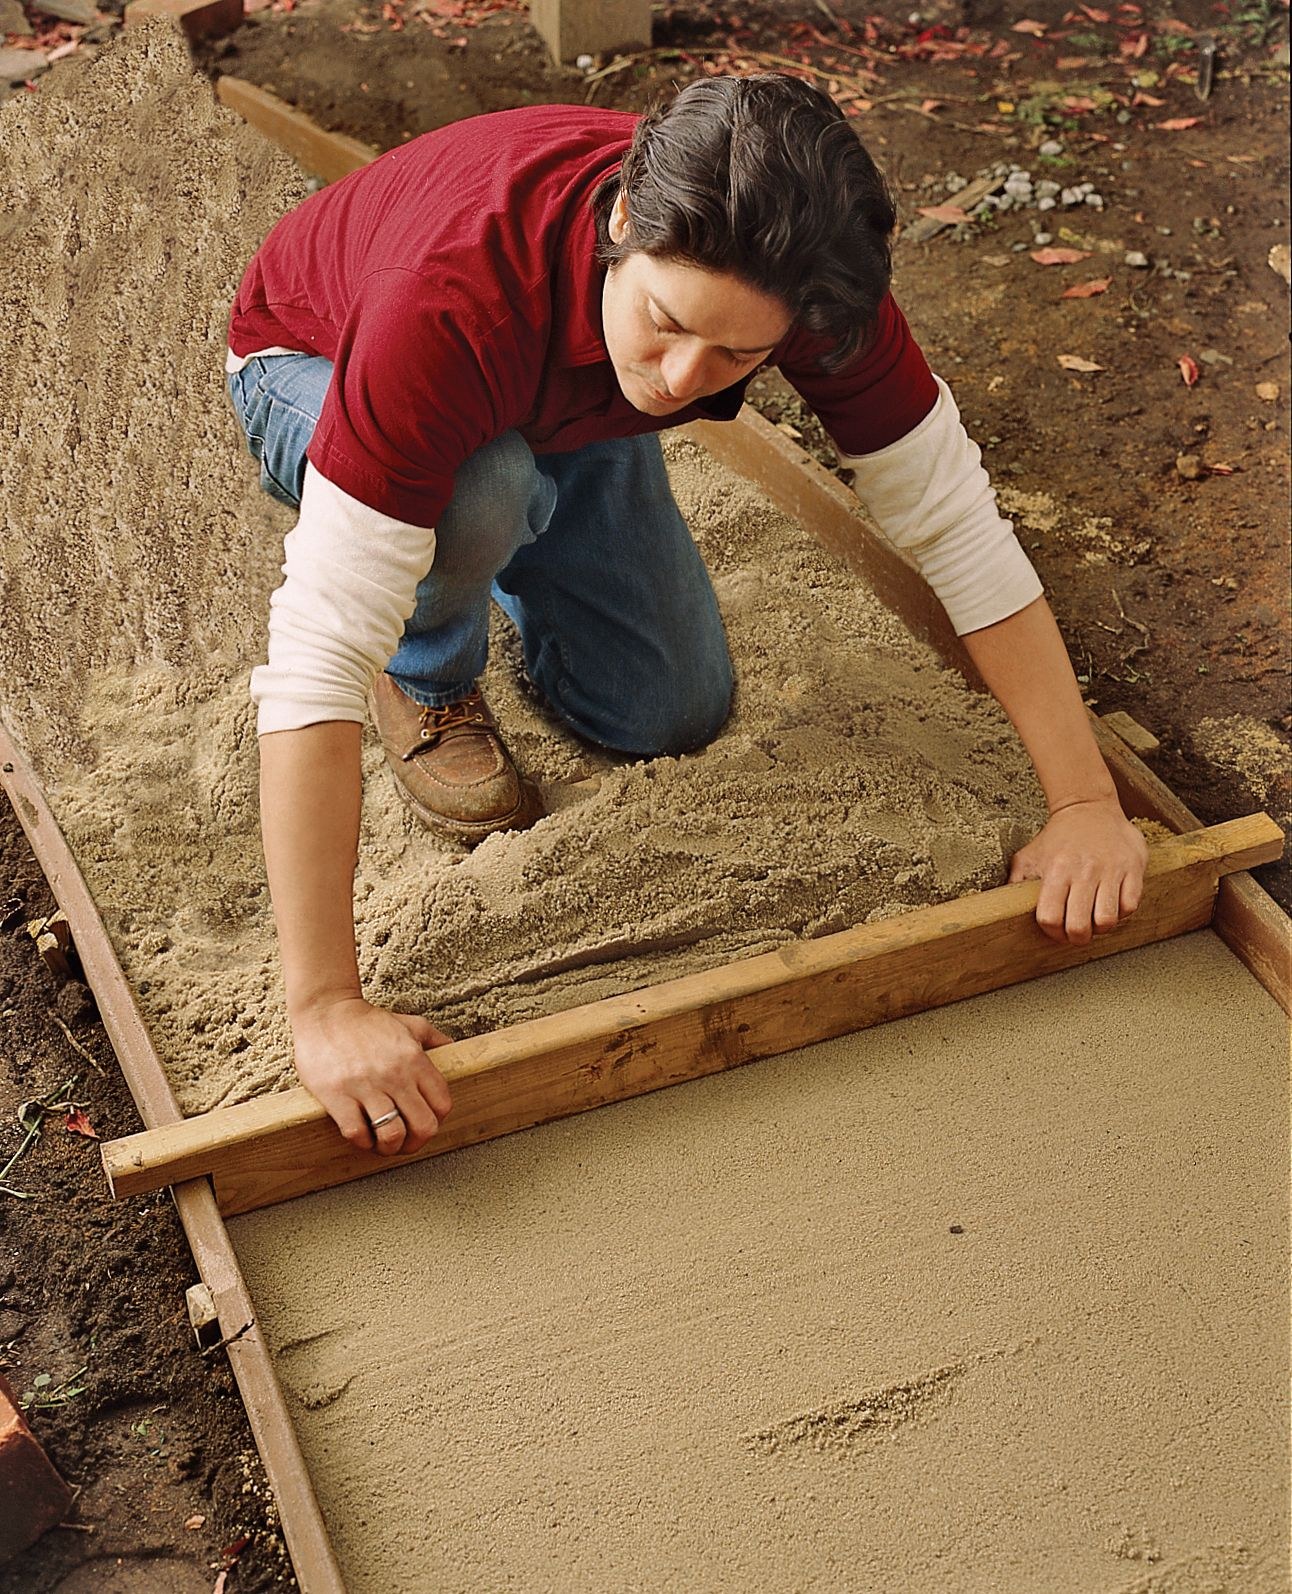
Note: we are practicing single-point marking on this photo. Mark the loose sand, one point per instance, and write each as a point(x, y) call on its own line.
point(856, 778)
point(723, 1336)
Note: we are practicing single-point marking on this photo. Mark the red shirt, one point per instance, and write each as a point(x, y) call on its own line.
point(454, 285)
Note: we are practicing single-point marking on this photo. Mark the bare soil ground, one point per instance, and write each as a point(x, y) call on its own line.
point(1153, 500)
point(94, 1333)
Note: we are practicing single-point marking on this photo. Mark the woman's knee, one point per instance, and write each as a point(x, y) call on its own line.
point(495, 509)
point(676, 711)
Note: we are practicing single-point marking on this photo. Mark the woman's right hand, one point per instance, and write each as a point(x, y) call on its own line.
point(361, 1062)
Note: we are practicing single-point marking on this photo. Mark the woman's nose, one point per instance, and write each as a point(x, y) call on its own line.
point(684, 371)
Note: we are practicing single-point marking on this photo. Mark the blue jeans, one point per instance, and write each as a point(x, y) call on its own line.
point(585, 552)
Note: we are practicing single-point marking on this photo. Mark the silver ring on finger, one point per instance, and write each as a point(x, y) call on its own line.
point(386, 1118)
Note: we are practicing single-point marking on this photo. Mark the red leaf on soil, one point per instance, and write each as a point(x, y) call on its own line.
point(944, 212)
point(1133, 49)
point(76, 1123)
point(1140, 98)
point(1078, 103)
point(1059, 257)
point(1036, 29)
point(1188, 369)
point(1177, 124)
point(1087, 290)
point(1220, 470)
point(1096, 15)
point(231, 1552)
point(932, 105)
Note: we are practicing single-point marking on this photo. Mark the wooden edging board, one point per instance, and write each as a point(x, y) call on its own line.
point(315, 1564)
point(329, 156)
point(284, 1145)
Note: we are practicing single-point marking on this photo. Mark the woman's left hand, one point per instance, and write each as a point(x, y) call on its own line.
point(1090, 861)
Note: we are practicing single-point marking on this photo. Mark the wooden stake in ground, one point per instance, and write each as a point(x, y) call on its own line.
point(285, 1145)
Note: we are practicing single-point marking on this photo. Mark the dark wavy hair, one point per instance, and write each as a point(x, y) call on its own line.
point(761, 177)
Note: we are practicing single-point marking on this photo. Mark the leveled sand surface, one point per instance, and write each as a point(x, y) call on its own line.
point(723, 1337)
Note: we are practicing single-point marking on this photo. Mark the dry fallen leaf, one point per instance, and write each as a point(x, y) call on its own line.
point(1177, 124)
point(195, 1522)
point(1087, 290)
point(1074, 362)
point(76, 1123)
point(1036, 29)
point(944, 212)
point(1140, 98)
point(1220, 469)
point(1059, 257)
point(1188, 369)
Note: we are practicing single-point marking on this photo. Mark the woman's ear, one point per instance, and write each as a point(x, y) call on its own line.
point(619, 219)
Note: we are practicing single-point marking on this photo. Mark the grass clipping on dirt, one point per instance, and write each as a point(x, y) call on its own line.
point(856, 778)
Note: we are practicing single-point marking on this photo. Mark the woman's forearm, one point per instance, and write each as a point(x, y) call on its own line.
point(1025, 664)
point(310, 792)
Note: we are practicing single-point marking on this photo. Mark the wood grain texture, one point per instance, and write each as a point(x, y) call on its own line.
point(284, 1145)
point(322, 154)
point(1247, 919)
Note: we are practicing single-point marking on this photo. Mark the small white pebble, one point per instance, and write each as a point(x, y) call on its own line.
point(1135, 257)
point(1046, 203)
point(1051, 147)
point(1040, 239)
point(954, 183)
point(1070, 196)
point(585, 63)
point(1047, 188)
point(1096, 200)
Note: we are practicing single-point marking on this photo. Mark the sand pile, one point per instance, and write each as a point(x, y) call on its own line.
point(856, 777)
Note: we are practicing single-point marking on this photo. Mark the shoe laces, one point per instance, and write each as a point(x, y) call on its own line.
point(442, 717)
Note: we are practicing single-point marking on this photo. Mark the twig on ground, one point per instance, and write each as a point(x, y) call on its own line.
point(76, 1045)
point(229, 1339)
point(31, 1118)
point(673, 53)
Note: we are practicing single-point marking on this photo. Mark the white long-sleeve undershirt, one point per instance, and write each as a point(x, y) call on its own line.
point(350, 584)
point(351, 574)
point(931, 497)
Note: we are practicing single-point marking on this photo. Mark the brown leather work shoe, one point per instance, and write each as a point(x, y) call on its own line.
point(450, 764)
